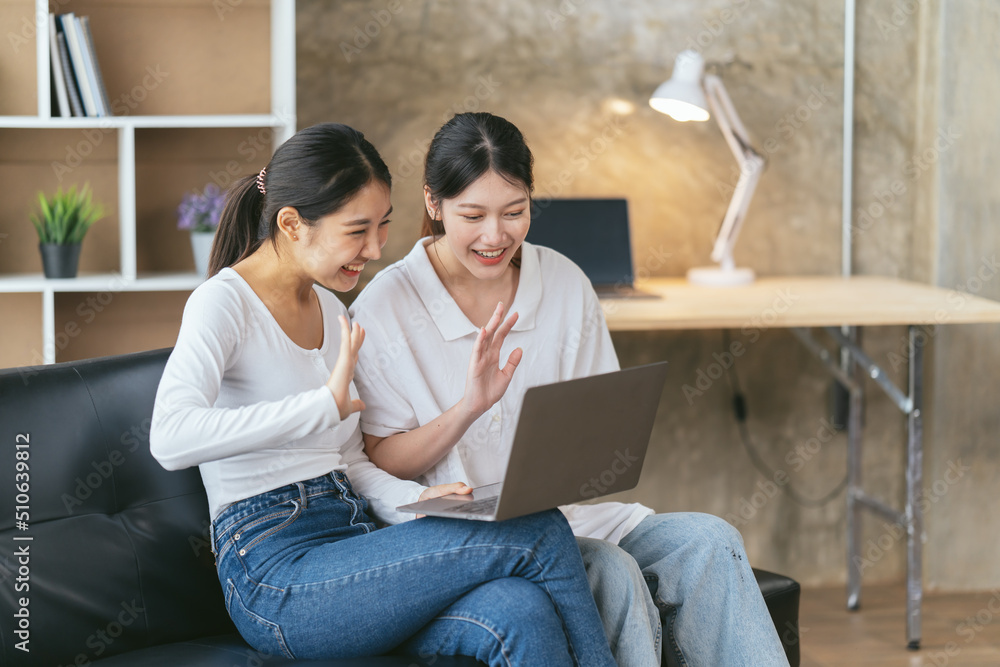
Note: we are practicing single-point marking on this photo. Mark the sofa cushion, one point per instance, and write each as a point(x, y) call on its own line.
point(118, 555)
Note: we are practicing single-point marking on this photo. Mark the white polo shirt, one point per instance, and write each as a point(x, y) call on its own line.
point(413, 364)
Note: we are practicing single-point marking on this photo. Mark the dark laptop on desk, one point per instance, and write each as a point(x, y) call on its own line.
point(594, 233)
point(575, 440)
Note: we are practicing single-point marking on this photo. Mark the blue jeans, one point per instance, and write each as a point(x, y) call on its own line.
point(699, 578)
point(306, 575)
point(631, 619)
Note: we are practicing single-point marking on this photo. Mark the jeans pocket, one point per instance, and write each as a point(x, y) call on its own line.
point(263, 635)
point(258, 528)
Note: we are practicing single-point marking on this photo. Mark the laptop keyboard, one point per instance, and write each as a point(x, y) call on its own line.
point(483, 506)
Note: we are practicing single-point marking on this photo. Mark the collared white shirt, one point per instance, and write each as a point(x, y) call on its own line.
point(413, 364)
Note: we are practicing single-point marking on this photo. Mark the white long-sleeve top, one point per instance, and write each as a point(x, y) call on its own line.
point(249, 407)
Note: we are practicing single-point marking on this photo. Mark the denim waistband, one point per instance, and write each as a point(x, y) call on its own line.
point(335, 480)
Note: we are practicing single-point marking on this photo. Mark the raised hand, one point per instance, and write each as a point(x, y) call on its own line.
point(485, 381)
point(339, 383)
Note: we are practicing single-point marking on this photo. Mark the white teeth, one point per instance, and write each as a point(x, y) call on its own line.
point(489, 255)
point(354, 267)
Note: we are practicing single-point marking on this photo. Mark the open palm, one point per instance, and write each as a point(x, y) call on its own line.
point(486, 382)
point(351, 338)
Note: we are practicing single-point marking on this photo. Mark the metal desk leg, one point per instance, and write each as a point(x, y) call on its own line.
point(854, 489)
point(914, 480)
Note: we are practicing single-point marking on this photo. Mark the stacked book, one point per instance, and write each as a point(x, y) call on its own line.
point(76, 77)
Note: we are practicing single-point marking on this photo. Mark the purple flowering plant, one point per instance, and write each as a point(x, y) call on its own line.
point(200, 212)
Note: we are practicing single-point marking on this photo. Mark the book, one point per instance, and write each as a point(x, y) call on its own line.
point(100, 92)
point(72, 88)
point(73, 40)
point(58, 79)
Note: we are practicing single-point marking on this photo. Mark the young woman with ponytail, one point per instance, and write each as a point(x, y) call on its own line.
point(258, 394)
point(432, 316)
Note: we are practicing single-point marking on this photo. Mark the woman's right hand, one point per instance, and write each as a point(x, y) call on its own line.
point(443, 490)
point(485, 381)
point(339, 383)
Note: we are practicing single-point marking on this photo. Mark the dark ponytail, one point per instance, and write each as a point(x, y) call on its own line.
point(316, 172)
point(468, 146)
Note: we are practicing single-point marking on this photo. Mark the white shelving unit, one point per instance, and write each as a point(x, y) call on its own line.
point(282, 120)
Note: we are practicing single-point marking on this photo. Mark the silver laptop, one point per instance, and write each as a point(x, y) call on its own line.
point(575, 440)
point(595, 234)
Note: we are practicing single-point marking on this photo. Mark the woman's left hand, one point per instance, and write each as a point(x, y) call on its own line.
point(339, 383)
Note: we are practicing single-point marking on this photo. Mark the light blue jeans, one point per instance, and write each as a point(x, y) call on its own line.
point(700, 582)
point(305, 574)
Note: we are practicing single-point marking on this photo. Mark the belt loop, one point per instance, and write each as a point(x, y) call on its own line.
point(302, 494)
point(211, 537)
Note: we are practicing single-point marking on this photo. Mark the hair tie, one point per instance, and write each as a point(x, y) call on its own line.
point(260, 181)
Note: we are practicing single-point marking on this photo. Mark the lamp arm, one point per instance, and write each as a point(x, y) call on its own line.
point(738, 205)
point(750, 162)
point(725, 115)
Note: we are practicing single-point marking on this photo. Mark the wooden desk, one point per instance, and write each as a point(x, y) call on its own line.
point(839, 306)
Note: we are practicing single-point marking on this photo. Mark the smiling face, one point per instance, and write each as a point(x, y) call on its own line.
point(334, 251)
point(483, 226)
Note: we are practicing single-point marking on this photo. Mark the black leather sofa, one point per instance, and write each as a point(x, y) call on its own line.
point(104, 555)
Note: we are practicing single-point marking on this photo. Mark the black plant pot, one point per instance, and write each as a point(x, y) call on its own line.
point(60, 260)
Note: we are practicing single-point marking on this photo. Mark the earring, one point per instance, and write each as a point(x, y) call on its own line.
point(295, 238)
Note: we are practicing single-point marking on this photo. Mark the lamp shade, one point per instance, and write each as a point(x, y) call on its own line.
point(682, 97)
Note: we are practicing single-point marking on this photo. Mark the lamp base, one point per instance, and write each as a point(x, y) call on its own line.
point(716, 276)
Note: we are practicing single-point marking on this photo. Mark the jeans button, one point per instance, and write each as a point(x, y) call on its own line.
point(236, 536)
point(243, 552)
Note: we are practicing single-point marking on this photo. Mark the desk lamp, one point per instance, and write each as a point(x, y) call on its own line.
point(689, 95)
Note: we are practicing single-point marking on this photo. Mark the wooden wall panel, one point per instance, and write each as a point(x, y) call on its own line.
point(104, 323)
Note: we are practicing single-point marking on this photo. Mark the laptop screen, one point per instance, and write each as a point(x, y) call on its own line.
point(594, 233)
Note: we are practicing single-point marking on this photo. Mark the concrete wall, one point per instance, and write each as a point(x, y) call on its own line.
point(576, 76)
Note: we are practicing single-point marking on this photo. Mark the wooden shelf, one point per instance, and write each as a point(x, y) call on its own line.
point(200, 105)
point(101, 282)
point(114, 122)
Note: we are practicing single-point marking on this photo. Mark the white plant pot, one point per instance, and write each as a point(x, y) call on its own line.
point(201, 246)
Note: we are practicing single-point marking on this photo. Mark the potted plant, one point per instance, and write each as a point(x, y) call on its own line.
point(199, 214)
point(61, 223)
